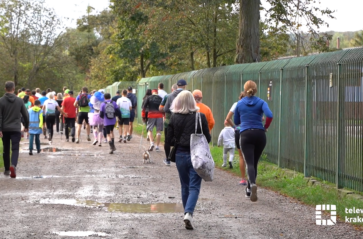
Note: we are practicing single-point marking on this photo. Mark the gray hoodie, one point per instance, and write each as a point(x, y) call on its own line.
point(11, 110)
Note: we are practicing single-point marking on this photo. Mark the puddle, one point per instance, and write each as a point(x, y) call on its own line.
point(120, 207)
point(53, 150)
point(81, 234)
point(38, 177)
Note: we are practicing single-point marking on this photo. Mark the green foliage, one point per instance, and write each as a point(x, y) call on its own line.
point(358, 39)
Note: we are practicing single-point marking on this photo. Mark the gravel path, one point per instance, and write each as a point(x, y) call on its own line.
point(85, 191)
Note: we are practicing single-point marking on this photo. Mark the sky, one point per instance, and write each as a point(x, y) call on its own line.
point(347, 12)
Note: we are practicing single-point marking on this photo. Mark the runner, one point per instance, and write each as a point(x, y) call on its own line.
point(198, 96)
point(145, 118)
point(226, 137)
point(50, 107)
point(116, 97)
point(249, 113)
point(22, 93)
point(35, 126)
point(34, 95)
point(82, 102)
point(125, 107)
point(31, 99)
point(69, 120)
point(38, 94)
point(155, 118)
point(42, 100)
point(109, 111)
point(11, 110)
point(132, 97)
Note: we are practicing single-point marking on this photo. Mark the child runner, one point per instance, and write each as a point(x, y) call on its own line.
point(227, 138)
point(35, 126)
point(125, 106)
point(109, 111)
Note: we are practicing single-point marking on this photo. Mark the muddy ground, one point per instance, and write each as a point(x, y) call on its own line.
point(85, 191)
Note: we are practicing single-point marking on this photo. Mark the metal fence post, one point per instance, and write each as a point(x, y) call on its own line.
point(280, 116)
point(306, 148)
point(259, 83)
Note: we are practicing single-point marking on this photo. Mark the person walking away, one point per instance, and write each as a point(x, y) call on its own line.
point(28, 105)
point(132, 97)
point(50, 107)
point(161, 92)
point(155, 118)
point(249, 114)
point(12, 109)
point(125, 107)
point(31, 99)
point(109, 111)
point(82, 102)
point(42, 100)
point(35, 126)
point(34, 95)
point(96, 100)
point(180, 128)
point(58, 116)
point(71, 111)
point(38, 93)
point(242, 164)
point(22, 93)
point(116, 97)
point(198, 96)
point(226, 137)
point(145, 118)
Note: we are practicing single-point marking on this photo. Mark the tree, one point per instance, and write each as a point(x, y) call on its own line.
point(358, 39)
point(288, 16)
point(29, 33)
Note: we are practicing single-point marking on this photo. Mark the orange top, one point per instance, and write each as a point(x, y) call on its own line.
point(208, 114)
point(31, 99)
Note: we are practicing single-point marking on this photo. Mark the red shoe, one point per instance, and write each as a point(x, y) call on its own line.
point(12, 171)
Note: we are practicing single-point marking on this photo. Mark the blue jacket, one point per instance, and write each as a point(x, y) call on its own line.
point(249, 112)
point(35, 120)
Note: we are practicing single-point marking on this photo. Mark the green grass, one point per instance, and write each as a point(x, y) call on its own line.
point(289, 183)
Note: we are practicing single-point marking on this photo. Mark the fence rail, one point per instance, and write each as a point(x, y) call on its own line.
point(317, 103)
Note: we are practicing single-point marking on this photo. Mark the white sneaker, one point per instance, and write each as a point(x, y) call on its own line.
point(151, 147)
point(95, 142)
point(157, 148)
point(224, 165)
point(188, 218)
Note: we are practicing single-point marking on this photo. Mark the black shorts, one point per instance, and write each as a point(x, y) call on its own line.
point(82, 116)
point(236, 138)
point(132, 115)
point(124, 121)
point(109, 128)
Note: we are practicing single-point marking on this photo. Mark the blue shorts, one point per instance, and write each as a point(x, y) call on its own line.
point(132, 115)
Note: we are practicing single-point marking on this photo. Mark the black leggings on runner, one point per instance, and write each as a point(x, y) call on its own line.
point(252, 143)
point(50, 121)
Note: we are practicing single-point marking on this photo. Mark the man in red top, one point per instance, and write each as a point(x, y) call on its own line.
point(69, 108)
point(155, 118)
point(34, 95)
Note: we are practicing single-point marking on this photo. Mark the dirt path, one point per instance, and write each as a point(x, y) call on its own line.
point(87, 190)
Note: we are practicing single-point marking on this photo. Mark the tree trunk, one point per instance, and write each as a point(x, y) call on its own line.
point(208, 58)
point(16, 72)
point(215, 20)
point(192, 59)
point(248, 43)
point(142, 71)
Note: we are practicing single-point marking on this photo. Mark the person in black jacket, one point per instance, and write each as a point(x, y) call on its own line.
point(12, 109)
point(180, 128)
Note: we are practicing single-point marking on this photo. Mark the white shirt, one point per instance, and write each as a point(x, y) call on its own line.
point(38, 95)
point(233, 108)
point(162, 93)
point(227, 137)
point(124, 104)
point(50, 106)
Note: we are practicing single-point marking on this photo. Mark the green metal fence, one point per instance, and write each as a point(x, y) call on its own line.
point(317, 103)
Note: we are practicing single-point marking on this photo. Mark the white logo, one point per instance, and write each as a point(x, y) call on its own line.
point(333, 215)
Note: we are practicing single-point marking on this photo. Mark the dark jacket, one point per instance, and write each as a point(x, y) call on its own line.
point(182, 126)
point(169, 101)
point(12, 108)
point(133, 99)
point(152, 103)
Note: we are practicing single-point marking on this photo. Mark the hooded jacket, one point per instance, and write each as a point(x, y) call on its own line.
point(249, 112)
point(35, 120)
point(12, 108)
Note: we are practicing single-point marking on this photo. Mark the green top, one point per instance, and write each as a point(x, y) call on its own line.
point(86, 109)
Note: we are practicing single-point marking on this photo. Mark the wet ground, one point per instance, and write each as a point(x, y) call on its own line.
point(80, 191)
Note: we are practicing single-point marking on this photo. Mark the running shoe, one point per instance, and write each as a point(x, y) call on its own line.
point(88, 138)
point(248, 193)
point(253, 193)
point(7, 172)
point(30, 152)
point(100, 145)
point(157, 149)
point(95, 142)
point(166, 162)
point(243, 182)
point(188, 221)
point(230, 165)
point(224, 165)
point(38, 151)
point(77, 141)
point(50, 142)
point(12, 171)
point(151, 147)
point(129, 137)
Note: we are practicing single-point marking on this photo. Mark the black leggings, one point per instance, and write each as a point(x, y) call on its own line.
point(252, 143)
point(50, 121)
